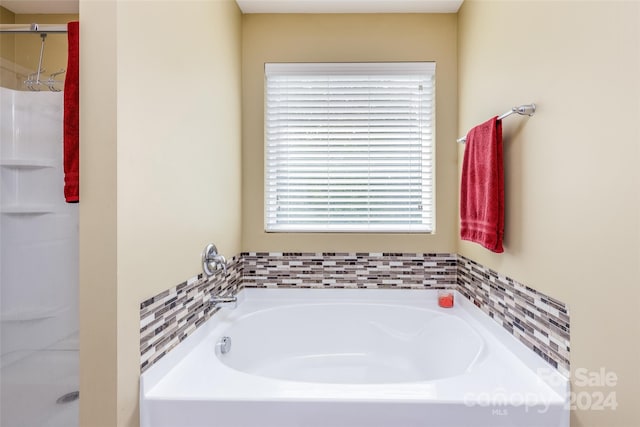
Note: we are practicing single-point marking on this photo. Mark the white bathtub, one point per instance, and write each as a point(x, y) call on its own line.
point(350, 358)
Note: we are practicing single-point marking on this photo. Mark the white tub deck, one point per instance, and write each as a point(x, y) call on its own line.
point(485, 377)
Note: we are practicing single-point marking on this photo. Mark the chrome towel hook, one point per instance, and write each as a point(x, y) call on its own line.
point(51, 82)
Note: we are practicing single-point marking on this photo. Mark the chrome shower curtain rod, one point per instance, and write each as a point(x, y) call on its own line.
point(33, 28)
point(523, 110)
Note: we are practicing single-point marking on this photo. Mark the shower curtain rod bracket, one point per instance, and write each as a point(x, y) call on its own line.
point(34, 82)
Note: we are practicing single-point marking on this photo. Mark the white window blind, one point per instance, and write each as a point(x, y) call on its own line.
point(349, 147)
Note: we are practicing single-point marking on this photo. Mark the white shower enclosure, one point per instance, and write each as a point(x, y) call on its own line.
point(38, 266)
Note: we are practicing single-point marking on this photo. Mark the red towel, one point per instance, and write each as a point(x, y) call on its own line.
point(482, 187)
point(72, 117)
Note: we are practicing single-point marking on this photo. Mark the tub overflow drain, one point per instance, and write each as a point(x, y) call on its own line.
point(69, 397)
point(224, 345)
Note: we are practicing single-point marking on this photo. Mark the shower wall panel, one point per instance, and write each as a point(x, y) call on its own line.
point(38, 230)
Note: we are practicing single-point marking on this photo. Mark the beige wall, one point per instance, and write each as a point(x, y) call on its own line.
point(98, 215)
point(7, 41)
point(7, 52)
point(326, 38)
point(571, 171)
point(160, 172)
point(6, 17)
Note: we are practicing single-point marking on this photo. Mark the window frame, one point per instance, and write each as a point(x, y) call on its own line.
point(346, 68)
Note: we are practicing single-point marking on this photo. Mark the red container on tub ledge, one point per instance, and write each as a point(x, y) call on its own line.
point(445, 298)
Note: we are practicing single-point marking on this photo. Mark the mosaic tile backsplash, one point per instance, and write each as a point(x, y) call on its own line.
point(537, 320)
point(540, 322)
point(348, 270)
point(169, 317)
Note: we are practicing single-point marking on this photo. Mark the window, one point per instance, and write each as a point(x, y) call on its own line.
point(349, 147)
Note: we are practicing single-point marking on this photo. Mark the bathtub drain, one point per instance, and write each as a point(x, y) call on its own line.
point(224, 345)
point(69, 397)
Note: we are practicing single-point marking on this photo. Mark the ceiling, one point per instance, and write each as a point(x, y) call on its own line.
point(349, 6)
point(272, 6)
point(40, 6)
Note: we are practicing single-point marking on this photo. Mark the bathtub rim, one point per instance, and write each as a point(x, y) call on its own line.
point(557, 382)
